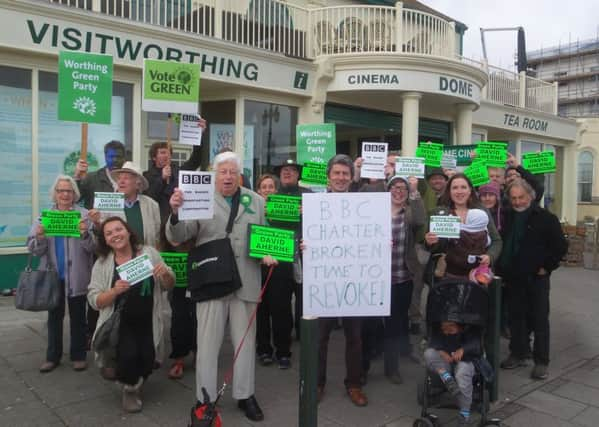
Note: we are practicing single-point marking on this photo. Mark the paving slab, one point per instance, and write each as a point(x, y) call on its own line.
point(589, 417)
point(528, 417)
point(30, 414)
point(556, 406)
point(580, 393)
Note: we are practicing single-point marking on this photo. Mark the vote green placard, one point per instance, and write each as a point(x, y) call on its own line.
point(61, 223)
point(315, 173)
point(276, 242)
point(478, 174)
point(432, 153)
point(536, 163)
point(494, 154)
point(281, 207)
point(171, 87)
point(463, 153)
point(84, 87)
point(316, 143)
point(178, 262)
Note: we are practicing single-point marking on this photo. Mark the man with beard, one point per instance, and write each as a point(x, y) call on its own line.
point(533, 247)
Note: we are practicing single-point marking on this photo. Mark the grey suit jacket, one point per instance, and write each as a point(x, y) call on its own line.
point(211, 229)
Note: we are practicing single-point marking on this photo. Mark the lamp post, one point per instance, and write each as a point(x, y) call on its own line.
point(270, 114)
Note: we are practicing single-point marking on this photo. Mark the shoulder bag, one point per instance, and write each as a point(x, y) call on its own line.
point(38, 290)
point(211, 267)
point(107, 335)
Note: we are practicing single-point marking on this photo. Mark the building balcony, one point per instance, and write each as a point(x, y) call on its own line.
point(312, 33)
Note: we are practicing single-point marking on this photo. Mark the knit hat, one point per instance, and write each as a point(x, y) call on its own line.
point(490, 188)
point(394, 178)
point(476, 220)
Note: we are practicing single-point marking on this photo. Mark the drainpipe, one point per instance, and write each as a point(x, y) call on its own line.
point(555, 98)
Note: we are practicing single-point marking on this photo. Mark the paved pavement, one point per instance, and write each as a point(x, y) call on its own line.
point(570, 397)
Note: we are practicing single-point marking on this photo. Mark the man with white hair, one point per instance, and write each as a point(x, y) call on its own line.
point(237, 307)
point(533, 246)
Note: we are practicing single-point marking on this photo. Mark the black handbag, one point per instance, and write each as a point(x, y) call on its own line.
point(38, 290)
point(107, 335)
point(211, 267)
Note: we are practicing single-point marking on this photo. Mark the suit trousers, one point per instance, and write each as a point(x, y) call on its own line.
point(529, 310)
point(352, 327)
point(76, 306)
point(212, 316)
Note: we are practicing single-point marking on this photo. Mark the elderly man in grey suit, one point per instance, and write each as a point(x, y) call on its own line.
point(237, 307)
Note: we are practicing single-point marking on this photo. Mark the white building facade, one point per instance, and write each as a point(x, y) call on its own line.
point(381, 71)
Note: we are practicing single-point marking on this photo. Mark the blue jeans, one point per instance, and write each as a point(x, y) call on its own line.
point(78, 328)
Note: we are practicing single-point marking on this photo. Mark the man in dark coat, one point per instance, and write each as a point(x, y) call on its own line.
point(533, 247)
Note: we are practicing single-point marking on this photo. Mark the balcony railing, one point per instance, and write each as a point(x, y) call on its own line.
point(294, 31)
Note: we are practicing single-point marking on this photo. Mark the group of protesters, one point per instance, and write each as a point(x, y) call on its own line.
point(504, 232)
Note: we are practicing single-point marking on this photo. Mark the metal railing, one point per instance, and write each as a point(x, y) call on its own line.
point(280, 27)
point(503, 87)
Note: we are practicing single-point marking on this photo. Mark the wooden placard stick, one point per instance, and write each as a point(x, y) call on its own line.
point(83, 150)
point(169, 122)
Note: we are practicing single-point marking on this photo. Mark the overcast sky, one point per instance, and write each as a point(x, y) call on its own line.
point(546, 24)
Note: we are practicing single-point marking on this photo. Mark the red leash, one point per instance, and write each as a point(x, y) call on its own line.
point(229, 374)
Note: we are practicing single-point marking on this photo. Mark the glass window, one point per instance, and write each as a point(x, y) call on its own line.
point(477, 137)
point(60, 141)
point(530, 147)
point(269, 137)
point(585, 176)
point(16, 177)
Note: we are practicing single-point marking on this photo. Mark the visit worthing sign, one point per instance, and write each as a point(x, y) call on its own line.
point(84, 87)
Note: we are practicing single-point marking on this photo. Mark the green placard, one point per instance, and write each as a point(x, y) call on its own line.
point(84, 87)
point(276, 242)
point(315, 173)
point(463, 153)
point(494, 154)
point(316, 143)
point(478, 174)
point(178, 262)
point(171, 87)
point(536, 163)
point(432, 153)
point(61, 223)
point(280, 207)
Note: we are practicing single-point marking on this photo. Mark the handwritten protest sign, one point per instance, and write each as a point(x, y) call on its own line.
point(61, 223)
point(84, 87)
point(347, 256)
point(315, 173)
point(190, 132)
point(276, 242)
point(494, 154)
point(170, 86)
point(281, 207)
point(136, 270)
point(178, 262)
point(477, 173)
point(432, 153)
point(315, 142)
point(447, 226)
point(109, 202)
point(198, 195)
point(449, 161)
point(410, 166)
point(536, 163)
point(374, 157)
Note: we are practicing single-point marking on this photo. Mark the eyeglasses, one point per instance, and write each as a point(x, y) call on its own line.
point(399, 189)
point(60, 191)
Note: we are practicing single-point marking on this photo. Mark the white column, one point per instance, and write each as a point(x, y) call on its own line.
point(569, 184)
point(409, 123)
point(463, 124)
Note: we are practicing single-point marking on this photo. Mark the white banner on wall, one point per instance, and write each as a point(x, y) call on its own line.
point(347, 255)
point(223, 135)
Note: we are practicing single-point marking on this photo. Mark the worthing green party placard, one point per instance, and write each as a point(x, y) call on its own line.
point(316, 143)
point(84, 87)
point(61, 223)
point(536, 163)
point(178, 262)
point(281, 207)
point(494, 154)
point(171, 87)
point(432, 153)
point(315, 173)
point(276, 242)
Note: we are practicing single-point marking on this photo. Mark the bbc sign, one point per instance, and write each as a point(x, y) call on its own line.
point(377, 148)
point(195, 179)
